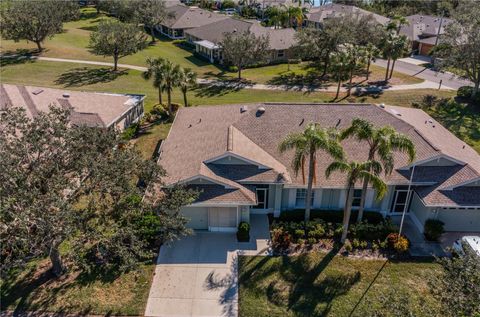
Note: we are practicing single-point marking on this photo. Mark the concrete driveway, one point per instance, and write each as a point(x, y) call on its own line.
point(197, 276)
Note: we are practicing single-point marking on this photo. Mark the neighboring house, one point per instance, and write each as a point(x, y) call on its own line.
point(230, 154)
point(208, 37)
point(88, 108)
point(316, 16)
point(182, 18)
point(422, 31)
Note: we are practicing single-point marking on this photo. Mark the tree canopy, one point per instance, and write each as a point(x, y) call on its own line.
point(117, 39)
point(74, 186)
point(243, 49)
point(150, 13)
point(35, 20)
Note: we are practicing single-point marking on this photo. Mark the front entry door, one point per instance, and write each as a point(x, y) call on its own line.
point(400, 200)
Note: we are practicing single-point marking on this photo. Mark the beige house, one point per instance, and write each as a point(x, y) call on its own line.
point(207, 38)
point(88, 108)
point(230, 154)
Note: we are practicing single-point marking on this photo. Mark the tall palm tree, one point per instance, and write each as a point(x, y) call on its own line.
point(155, 70)
point(397, 22)
point(399, 47)
point(340, 65)
point(171, 74)
point(357, 171)
point(306, 144)
point(382, 142)
point(386, 46)
point(371, 52)
point(187, 79)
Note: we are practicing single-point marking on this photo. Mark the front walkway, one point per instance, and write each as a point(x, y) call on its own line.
point(197, 275)
point(418, 245)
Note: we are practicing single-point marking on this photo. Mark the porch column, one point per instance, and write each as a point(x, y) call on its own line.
point(278, 201)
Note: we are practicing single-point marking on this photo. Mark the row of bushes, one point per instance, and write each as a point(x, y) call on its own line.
point(393, 241)
point(333, 216)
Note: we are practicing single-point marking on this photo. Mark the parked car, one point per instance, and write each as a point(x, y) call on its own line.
point(472, 242)
point(230, 11)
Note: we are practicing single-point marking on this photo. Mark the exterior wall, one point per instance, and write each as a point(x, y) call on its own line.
point(459, 219)
point(132, 116)
point(386, 203)
point(171, 33)
point(331, 198)
point(419, 212)
point(244, 213)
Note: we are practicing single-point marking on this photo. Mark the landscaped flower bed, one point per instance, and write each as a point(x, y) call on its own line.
point(365, 238)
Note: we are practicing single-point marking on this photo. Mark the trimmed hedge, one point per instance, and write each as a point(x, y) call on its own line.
point(333, 216)
point(243, 233)
point(433, 229)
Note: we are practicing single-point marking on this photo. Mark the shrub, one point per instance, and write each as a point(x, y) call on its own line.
point(317, 233)
point(299, 233)
point(355, 243)
point(130, 132)
point(363, 244)
point(243, 233)
point(375, 246)
point(433, 229)
point(370, 232)
point(391, 239)
point(148, 227)
point(383, 245)
point(333, 216)
point(401, 245)
point(348, 246)
point(429, 100)
point(465, 92)
point(280, 239)
point(311, 241)
point(301, 241)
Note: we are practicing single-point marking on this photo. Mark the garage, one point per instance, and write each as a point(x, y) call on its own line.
point(198, 217)
point(221, 219)
point(460, 219)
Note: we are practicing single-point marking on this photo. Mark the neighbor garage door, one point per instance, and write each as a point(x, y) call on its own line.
point(460, 219)
point(198, 217)
point(222, 219)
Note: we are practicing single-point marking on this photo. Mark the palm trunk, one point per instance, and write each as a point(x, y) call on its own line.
point(391, 70)
point(350, 82)
point(338, 89)
point(160, 101)
point(308, 202)
point(169, 101)
point(184, 91)
point(54, 255)
point(346, 213)
point(388, 67)
point(361, 208)
point(368, 68)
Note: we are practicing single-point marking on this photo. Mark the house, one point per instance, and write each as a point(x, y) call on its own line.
point(88, 108)
point(422, 31)
point(208, 37)
point(316, 16)
point(181, 18)
point(230, 154)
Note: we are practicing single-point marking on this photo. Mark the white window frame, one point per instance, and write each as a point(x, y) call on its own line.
point(265, 196)
point(304, 198)
point(357, 197)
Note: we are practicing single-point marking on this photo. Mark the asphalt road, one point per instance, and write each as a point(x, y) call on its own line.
point(447, 79)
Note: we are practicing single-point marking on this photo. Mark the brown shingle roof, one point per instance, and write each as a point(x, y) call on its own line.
point(184, 17)
point(220, 195)
point(338, 10)
point(202, 133)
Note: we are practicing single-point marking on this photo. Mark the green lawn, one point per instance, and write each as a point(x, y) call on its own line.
point(324, 285)
point(34, 289)
point(73, 44)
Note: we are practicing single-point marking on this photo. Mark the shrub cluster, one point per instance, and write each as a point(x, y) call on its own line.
point(433, 229)
point(333, 216)
point(243, 232)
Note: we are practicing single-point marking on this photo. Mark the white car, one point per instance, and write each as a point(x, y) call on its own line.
point(472, 242)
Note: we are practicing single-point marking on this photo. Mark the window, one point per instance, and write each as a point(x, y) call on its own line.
point(262, 198)
point(280, 53)
point(357, 197)
point(301, 197)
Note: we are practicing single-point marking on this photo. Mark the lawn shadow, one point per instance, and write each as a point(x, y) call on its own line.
point(218, 89)
point(311, 294)
point(311, 80)
point(18, 56)
point(82, 76)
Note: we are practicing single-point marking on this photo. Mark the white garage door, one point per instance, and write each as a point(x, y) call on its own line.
point(222, 219)
point(198, 217)
point(460, 219)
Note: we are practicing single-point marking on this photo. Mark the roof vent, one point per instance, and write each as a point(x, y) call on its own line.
point(382, 105)
point(65, 95)
point(37, 91)
point(243, 109)
point(260, 111)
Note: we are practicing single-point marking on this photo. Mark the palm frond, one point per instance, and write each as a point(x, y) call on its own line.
point(337, 166)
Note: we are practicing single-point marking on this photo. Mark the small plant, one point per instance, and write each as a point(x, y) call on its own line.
point(401, 245)
point(130, 132)
point(391, 239)
point(375, 246)
point(348, 246)
point(429, 100)
point(281, 240)
point(301, 242)
point(243, 233)
point(383, 245)
point(355, 243)
point(311, 241)
point(433, 229)
point(299, 233)
point(363, 244)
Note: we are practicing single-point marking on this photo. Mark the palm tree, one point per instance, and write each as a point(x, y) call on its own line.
point(399, 47)
point(306, 144)
point(386, 46)
point(396, 23)
point(382, 142)
point(171, 76)
point(188, 78)
point(274, 16)
point(155, 70)
point(340, 65)
point(371, 52)
point(357, 171)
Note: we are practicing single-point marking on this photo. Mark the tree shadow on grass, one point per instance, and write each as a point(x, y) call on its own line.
point(88, 76)
point(218, 89)
point(18, 56)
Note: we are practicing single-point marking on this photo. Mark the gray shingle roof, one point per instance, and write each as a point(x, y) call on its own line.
point(202, 133)
point(184, 17)
point(337, 10)
point(421, 26)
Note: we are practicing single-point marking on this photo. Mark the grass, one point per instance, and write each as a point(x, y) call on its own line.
point(35, 289)
point(73, 44)
point(320, 284)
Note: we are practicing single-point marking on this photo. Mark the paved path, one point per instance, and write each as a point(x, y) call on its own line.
point(198, 275)
point(448, 80)
point(427, 84)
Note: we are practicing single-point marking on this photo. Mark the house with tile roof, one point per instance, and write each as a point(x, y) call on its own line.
point(317, 15)
point(423, 31)
point(181, 18)
point(92, 109)
point(207, 38)
point(230, 155)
